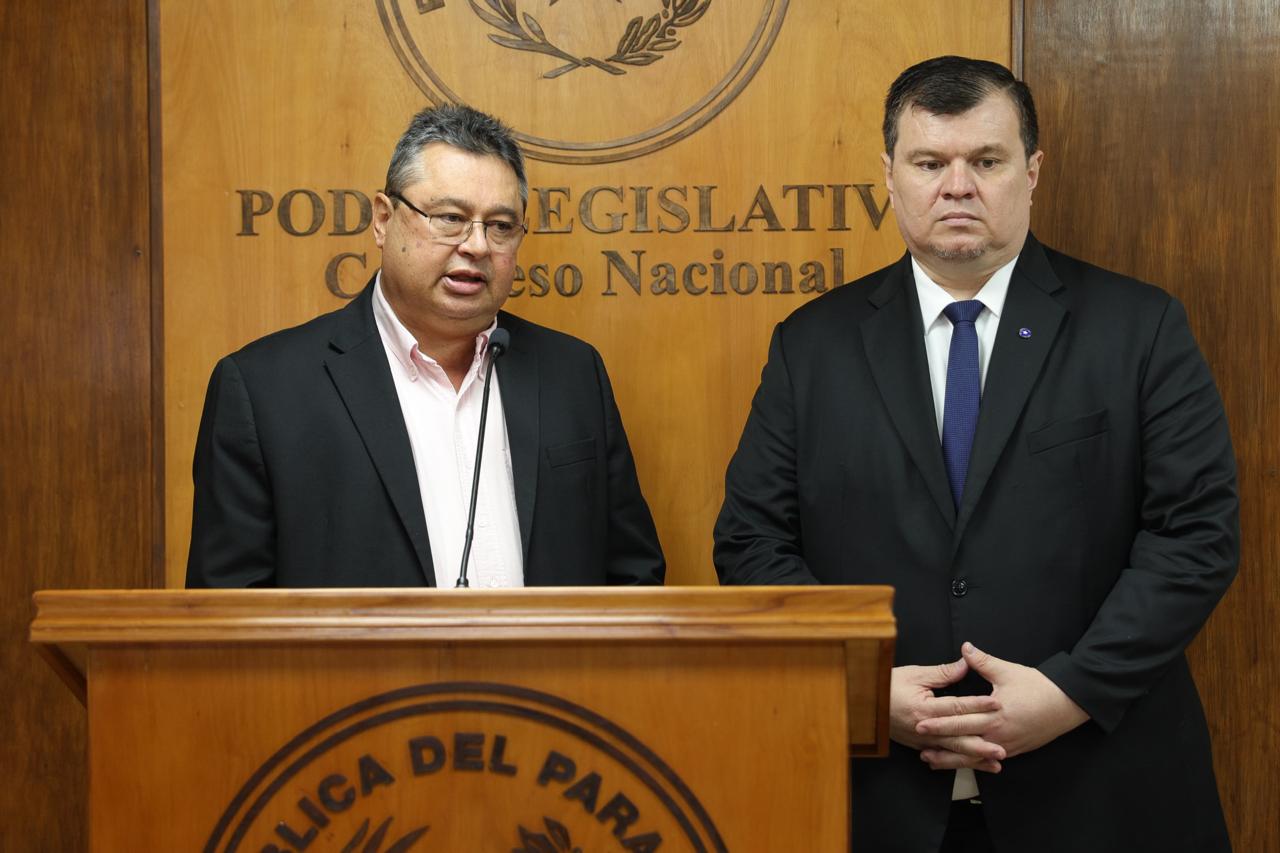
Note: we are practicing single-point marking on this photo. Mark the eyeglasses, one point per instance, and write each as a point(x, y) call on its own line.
point(453, 229)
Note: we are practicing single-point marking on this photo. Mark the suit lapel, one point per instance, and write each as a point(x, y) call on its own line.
point(357, 364)
point(518, 383)
point(894, 342)
point(1016, 362)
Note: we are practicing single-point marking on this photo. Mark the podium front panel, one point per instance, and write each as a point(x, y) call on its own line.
point(541, 746)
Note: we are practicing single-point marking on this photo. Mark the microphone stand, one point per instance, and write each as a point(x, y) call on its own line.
point(498, 343)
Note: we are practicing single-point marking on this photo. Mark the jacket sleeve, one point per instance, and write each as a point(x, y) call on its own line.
point(757, 536)
point(633, 554)
point(233, 531)
point(1187, 547)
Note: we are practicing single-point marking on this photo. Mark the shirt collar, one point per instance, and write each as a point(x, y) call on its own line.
point(401, 343)
point(933, 299)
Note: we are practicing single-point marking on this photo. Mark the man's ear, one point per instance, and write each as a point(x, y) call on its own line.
point(887, 161)
point(1034, 162)
point(383, 210)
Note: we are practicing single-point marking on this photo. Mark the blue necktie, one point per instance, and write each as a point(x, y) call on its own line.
point(964, 393)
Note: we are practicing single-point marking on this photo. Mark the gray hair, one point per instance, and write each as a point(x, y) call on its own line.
point(462, 127)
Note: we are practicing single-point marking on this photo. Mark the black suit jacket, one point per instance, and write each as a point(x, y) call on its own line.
point(304, 476)
point(1097, 531)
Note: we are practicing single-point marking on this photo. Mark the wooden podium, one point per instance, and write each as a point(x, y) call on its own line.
point(543, 720)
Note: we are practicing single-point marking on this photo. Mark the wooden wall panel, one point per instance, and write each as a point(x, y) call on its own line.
point(75, 370)
point(279, 113)
point(1160, 121)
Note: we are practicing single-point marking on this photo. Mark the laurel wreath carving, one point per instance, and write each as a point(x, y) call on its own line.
point(374, 843)
point(644, 41)
point(555, 840)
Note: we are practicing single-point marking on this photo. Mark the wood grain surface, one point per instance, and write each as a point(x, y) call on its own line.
point(75, 370)
point(1159, 122)
point(735, 697)
point(857, 621)
point(572, 614)
point(754, 736)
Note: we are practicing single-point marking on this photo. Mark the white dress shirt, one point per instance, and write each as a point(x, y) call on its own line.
point(443, 423)
point(937, 346)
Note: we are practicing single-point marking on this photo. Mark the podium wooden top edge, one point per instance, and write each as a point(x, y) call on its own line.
point(773, 613)
point(70, 623)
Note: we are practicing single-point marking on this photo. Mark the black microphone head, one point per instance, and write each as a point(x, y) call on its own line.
point(499, 341)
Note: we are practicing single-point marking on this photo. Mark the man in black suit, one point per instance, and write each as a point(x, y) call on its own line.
point(1033, 452)
point(340, 452)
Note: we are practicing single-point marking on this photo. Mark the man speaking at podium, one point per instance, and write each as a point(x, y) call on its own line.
point(343, 452)
point(1033, 452)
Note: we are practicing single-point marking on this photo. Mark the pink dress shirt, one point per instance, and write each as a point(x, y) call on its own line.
point(443, 423)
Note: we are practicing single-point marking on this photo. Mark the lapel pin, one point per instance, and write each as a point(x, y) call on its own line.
point(1024, 332)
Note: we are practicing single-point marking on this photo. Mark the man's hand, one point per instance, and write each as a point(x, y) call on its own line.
point(1031, 709)
point(912, 703)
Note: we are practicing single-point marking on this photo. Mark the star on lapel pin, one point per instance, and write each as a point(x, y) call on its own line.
point(1024, 333)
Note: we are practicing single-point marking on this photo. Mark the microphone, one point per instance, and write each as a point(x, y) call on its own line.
point(498, 343)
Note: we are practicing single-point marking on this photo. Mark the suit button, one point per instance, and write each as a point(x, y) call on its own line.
point(959, 587)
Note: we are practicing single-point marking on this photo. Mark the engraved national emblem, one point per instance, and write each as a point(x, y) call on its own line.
point(464, 766)
point(643, 42)
point(650, 72)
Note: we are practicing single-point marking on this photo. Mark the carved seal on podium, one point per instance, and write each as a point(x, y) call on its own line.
point(432, 766)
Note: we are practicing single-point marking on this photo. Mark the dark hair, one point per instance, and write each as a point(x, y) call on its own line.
point(950, 85)
point(462, 127)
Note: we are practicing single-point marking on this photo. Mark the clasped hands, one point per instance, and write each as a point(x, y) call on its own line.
point(1024, 711)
